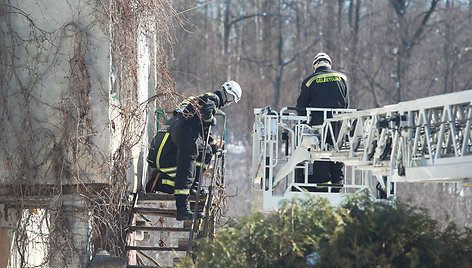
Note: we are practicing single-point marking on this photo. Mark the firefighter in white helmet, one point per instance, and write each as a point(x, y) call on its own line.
point(324, 88)
point(175, 148)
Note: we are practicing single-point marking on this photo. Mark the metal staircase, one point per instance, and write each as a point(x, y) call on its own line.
point(164, 223)
point(154, 213)
point(424, 140)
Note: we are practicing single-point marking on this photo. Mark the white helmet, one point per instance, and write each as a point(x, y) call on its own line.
point(232, 89)
point(321, 56)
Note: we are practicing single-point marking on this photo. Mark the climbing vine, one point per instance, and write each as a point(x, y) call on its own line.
point(59, 171)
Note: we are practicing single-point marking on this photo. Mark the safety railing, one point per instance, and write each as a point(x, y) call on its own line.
point(425, 140)
point(283, 146)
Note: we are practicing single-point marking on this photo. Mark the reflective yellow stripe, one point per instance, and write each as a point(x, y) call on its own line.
point(339, 75)
point(172, 175)
point(209, 119)
point(187, 101)
point(199, 164)
point(168, 182)
point(168, 169)
point(160, 150)
point(183, 191)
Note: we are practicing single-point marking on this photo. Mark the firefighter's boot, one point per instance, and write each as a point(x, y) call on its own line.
point(183, 211)
point(194, 188)
point(339, 182)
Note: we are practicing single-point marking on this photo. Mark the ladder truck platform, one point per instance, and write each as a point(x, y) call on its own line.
point(423, 140)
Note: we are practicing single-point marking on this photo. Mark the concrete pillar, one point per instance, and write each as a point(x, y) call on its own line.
point(8, 221)
point(70, 233)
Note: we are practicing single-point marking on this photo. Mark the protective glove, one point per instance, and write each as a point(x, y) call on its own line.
point(210, 122)
point(213, 121)
point(214, 146)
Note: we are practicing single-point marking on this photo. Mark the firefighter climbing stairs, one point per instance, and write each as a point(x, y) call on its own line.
point(154, 214)
point(159, 205)
point(424, 140)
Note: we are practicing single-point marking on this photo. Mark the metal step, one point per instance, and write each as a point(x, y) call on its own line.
point(161, 211)
point(182, 243)
point(159, 229)
point(156, 211)
point(155, 248)
point(143, 197)
point(146, 266)
point(140, 266)
point(177, 260)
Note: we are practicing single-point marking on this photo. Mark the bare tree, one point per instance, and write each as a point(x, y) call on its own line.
point(407, 39)
point(268, 45)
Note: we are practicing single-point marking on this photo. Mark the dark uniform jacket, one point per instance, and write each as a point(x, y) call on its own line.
point(176, 146)
point(325, 88)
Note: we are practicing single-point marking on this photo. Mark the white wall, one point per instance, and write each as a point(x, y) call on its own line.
point(58, 67)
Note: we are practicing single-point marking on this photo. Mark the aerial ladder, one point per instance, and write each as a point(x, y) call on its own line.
point(423, 140)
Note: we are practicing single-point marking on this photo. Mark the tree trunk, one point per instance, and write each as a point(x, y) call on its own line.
point(354, 20)
point(407, 42)
point(227, 28)
point(280, 60)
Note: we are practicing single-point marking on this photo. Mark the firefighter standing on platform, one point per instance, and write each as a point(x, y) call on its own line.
point(325, 88)
point(175, 150)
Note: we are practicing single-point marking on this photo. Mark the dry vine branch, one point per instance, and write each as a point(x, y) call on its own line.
point(68, 131)
point(59, 145)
